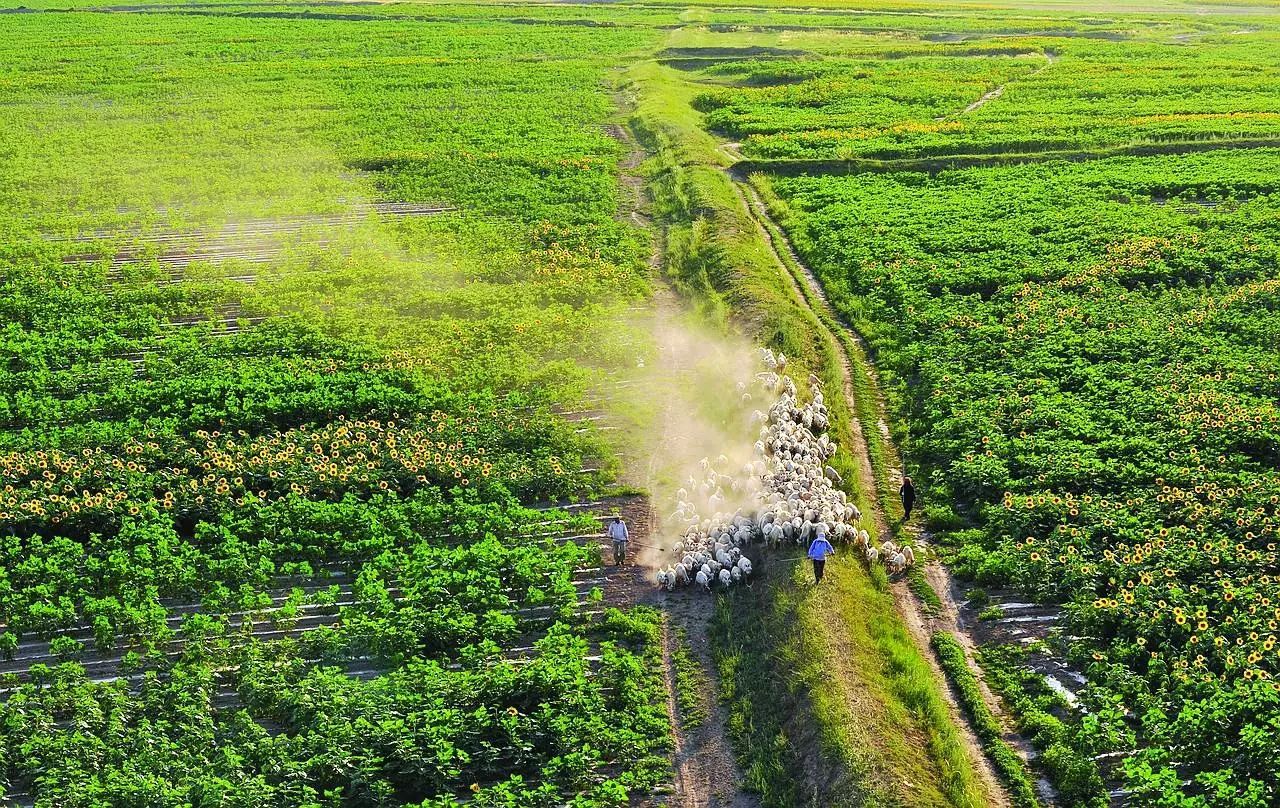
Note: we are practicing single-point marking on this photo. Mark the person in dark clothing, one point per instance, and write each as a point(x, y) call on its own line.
point(908, 494)
point(819, 549)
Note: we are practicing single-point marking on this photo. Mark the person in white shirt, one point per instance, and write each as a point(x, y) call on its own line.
point(618, 533)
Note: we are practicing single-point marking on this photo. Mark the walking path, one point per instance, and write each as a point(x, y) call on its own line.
point(851, 350)
point(991, 95)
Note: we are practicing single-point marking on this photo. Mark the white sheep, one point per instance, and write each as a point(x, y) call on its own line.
point(896, 563)
point(786, 492)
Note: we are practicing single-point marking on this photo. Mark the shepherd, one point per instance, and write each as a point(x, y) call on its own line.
point(819, 549)
point(908, 494)
point(618, 533)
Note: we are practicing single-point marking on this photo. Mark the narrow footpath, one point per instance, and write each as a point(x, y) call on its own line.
point(852, 349)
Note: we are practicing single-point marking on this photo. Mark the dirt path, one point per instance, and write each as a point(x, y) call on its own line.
point(920, 625)
point(991, 95)
point(705, 772)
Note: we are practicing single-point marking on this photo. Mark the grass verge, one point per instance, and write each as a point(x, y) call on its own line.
point(830, 701)
point(691, 683)
point(930, 602)
point(1011, 768)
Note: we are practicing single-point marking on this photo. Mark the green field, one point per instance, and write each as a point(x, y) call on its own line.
point(235, 377)
point(319, 321)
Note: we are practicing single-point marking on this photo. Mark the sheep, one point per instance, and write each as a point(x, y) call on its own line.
point(665, 580)
point(790, 489)
point(872, 555)
point(681, 573)
point(909, 555)
point(704, 580)
point(896, 563)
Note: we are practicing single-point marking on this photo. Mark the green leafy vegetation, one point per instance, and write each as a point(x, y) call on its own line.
point(288, 317)
point(1067, 745)
point(1137, 280)
point(1011, 768)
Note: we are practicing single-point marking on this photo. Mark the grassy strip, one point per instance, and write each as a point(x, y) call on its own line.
point(691, 683)
point(919, 585)
point(1012, 769)
point(760, 700)
point(714, 254)
point(860, 697)
point(1036, 707)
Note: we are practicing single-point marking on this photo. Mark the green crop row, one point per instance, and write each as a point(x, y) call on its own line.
point(1011, 768)
point(1085, 355)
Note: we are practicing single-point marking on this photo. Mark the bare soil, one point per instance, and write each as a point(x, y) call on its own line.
point(705, 772)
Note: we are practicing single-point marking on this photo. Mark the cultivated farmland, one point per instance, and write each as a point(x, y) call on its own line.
point(334, 334)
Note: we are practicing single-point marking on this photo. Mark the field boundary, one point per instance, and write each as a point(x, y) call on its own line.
point(875, 478)
point(935, 165)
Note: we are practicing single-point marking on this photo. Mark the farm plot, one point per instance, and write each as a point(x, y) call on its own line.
point(1085, 356)
point(912, 96)
point(279, 398)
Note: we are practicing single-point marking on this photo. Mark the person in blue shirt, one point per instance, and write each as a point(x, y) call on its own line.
point(819, 549)
point(618, 532)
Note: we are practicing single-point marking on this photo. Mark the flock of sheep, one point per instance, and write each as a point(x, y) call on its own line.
point(787, 494)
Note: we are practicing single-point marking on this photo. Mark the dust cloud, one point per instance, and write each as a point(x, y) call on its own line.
point(691, 401)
